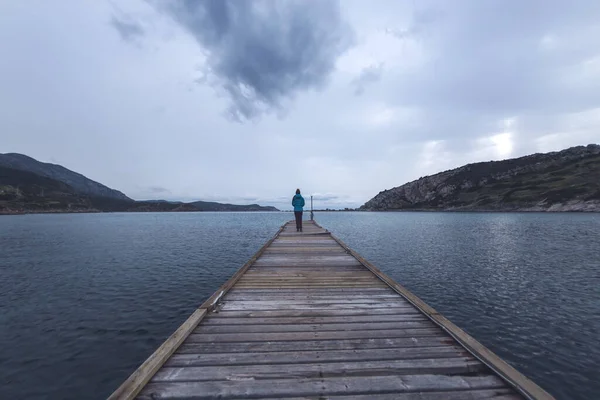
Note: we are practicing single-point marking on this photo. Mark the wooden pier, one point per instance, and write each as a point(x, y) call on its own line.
point(307, 317)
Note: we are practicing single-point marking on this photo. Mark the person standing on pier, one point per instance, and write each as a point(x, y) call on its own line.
point(298, 203)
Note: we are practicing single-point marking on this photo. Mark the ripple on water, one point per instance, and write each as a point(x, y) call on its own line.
point(84, 299)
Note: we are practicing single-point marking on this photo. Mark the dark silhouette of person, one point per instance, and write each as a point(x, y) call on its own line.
point(298, 203)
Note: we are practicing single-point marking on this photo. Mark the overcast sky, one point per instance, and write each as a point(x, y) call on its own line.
point(244, 101)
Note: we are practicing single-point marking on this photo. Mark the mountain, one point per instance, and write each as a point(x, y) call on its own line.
point(23, 190)
point(568, 180)
point(25, 186)
point(212, 206)
point(78, 182)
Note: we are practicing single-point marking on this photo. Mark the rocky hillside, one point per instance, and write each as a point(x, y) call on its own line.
point(24, 191)
point(77, 182)
point(567, 180)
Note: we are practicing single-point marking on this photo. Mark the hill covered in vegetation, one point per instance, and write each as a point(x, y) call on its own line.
point(27, 187)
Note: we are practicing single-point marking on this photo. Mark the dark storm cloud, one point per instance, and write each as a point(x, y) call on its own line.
point(128, 29)
point(368, 75)
point(262, 53)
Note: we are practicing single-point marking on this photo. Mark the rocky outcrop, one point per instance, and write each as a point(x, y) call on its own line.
point(568, 180)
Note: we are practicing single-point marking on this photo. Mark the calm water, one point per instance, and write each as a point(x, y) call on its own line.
point(84, 299)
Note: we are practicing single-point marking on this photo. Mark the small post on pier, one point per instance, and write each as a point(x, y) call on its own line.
point(311, 209)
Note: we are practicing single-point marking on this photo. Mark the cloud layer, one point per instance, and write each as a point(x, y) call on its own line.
point(345, 98)
point(128, 29)
point(368, 75)
point(262, 53)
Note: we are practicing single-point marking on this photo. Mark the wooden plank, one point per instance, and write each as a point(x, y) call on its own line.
point(313, 345)
point(269, 294)
point(289, 246)
point(348, 269)
point(316, 275)
point(316, 312)
point(367, 291)
point(338, 291)
point(308, 241)
point(309, 272)
point(132, 386)
point(186, 357)
point(285, 237)
point(260, 306)
point(339, 282)
point(307, 258)
point(306, 285)
point(313, 280)
point(300, 286)
point(324, 296)
point(302, 280)
point(309, 269)
point(309, 275)
point(287, 240)
point(380, 302)
point(314, 242)
point(308, 250)
point(485, 394)
point(314, 250)
point(306, 261)
point(307, 266)
point(302, 273)
point(442, 366)
point(317, 386)
point(312, 267)
point(331, 279)
point(344, 282)
point(248, 328)
point(214, 319)
point(351, 264)
point(501, 367)
point(325, 335)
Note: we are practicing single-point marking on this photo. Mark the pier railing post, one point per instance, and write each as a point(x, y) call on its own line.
point(311, 209)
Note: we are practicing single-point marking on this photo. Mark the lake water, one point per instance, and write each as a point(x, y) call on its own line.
point(86, 298)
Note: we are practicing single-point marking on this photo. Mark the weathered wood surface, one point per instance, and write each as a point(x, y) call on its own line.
point(247, 387)
point(306, 317)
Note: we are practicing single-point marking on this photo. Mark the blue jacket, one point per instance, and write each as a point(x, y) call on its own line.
point(298, 202)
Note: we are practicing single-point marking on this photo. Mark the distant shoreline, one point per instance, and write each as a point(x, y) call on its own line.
point(126, 212)
point(491, 211)
point(3, 213)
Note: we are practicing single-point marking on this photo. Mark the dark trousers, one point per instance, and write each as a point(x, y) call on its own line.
point(298, 215)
